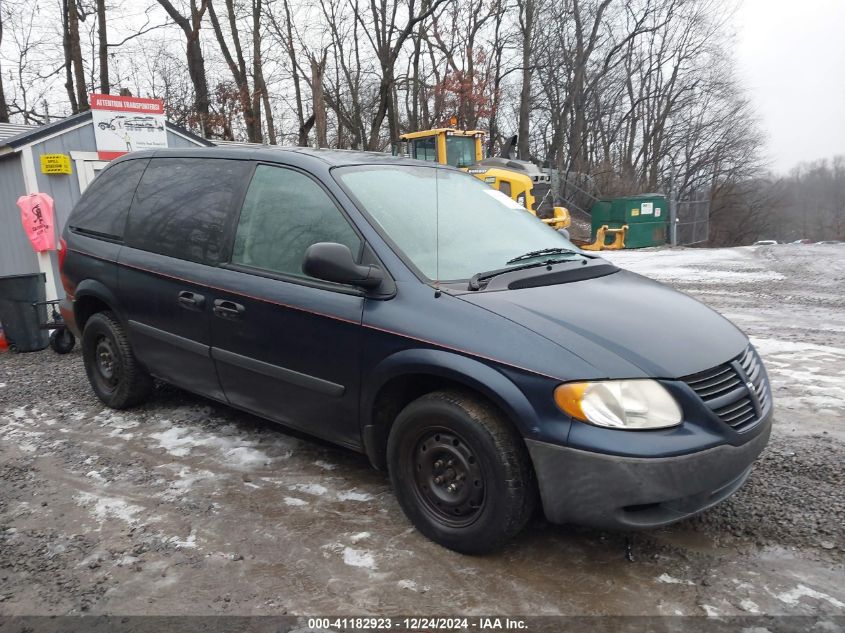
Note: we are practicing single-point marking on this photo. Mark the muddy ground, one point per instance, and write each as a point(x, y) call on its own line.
point(188, 507)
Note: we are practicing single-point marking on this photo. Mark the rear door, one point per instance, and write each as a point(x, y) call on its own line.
point(181, 213)
point(288, 346)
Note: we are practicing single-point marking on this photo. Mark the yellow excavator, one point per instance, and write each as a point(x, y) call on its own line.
point(521, 180)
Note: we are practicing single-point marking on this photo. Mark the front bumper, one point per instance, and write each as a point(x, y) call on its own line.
point(613, 492)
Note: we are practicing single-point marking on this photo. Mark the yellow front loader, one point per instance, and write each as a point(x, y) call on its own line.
point(521, 180)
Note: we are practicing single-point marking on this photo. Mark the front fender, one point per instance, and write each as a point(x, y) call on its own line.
point(476, 375)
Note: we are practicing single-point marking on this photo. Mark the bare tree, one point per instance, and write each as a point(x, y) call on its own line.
point(190, 26)
point(237, 66)
point(260, 95)
point(103, 48)
point(387, 37)
point(318, 69)
point(526, 30)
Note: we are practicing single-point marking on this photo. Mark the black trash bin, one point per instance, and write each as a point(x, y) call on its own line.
point(20, 320)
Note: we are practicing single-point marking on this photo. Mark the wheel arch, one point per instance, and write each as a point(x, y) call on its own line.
point(93, 296)
point(409, 374)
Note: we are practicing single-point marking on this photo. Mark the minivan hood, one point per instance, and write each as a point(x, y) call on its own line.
point(623, 324)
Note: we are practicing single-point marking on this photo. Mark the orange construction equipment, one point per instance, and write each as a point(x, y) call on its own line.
point(602, 233)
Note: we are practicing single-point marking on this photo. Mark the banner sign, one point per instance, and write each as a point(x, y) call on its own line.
point(38, 221)
point(124, 124)
point(55, 164)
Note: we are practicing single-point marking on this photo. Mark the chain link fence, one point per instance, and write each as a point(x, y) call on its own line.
point(692, 221)
point(691, 214)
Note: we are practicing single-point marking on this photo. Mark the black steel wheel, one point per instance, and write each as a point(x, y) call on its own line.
point(115, 374)
point(460, 472)
point(62, 341)
point(448, 477)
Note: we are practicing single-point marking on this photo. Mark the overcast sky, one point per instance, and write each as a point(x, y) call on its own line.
point(791, 56)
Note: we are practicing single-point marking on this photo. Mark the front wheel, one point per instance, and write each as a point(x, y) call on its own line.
point(113, 371)
point(460, 472)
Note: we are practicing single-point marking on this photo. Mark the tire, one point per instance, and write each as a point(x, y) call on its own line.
point(452, 438)
point(62, 341)
point(113, 371)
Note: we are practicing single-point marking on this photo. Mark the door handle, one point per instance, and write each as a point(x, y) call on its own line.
point(228, 309)
point(191, 300)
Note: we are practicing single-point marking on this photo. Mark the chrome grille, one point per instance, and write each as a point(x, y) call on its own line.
point(737, 392)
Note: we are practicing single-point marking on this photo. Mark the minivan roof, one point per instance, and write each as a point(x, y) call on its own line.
point(333, 157)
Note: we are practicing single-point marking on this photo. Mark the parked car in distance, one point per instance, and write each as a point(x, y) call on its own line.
point(408, 311)
point(803, 241)
point(831, 242)
point(765, 243)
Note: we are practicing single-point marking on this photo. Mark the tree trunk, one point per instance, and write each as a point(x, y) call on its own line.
point(259, 88)
point(196, 71)
point(318, 100)
point(103, 41)
point(71, 92)
point(526, 8)
point(76, 55)
point(236, 66)
point(196, 62)
point(381, 109)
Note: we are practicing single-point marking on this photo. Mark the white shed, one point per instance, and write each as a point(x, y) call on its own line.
point(21, 148)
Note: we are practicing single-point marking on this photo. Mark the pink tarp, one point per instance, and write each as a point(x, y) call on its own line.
point(39, 221)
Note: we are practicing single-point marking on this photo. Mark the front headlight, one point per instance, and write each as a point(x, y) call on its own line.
point(619, 404)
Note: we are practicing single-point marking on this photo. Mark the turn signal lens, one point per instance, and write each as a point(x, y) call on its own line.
point(619, 404)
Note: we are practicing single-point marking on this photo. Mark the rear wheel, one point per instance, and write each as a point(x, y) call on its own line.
point(113, 371)
point(460, 472)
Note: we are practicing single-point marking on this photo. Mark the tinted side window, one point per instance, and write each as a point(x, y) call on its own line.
point(183, 205)
point(284, 213)
point(103, 207)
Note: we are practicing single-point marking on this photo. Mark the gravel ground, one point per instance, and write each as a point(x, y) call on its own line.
point(184, 506)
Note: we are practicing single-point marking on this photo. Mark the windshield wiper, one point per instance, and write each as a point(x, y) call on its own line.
point(477, 278)
point(543, 251)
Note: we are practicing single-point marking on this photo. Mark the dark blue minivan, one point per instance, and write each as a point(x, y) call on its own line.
point(410, 312)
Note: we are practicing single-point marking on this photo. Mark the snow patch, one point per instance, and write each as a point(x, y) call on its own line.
point(793, 596)
point(310, 489)
point(293, 501)
point(108, 507)
point(359, 558)
point(669, 580)
point(236, 452)
point(189, 543)
point(360, 536)
point(352, 495)
point(175, 441)
point(749, 605)
point(325, 465)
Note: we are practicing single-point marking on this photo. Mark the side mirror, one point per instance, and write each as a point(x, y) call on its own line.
point(333, 262)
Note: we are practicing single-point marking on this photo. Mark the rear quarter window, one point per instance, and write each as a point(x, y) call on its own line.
point(102, 209)
point(184, 206)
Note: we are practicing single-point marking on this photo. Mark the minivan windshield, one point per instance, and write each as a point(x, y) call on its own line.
point(448, 224)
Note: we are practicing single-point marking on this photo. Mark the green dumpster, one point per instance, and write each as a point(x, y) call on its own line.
point(646, 216)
